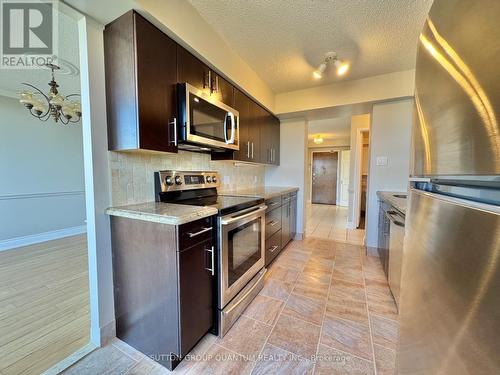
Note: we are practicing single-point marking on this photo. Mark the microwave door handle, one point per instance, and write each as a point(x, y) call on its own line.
point(233, 127)
point(225, 128)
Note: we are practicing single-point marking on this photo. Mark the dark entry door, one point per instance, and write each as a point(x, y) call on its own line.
point(324, 177)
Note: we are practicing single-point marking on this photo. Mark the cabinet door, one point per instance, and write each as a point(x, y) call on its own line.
point(254, 132)
point(242, 105)
point(156, 79)
point(141, 73)
point(191, 70)
point(265, 136)
point(196, 294)
point(293, 217)
point(275, 140)
point(285, 223)
point(222, 90)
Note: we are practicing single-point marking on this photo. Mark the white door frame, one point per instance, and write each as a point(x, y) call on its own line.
point(358, 154)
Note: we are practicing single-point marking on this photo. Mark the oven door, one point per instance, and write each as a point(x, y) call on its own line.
point(242, 237)
point(207, 121)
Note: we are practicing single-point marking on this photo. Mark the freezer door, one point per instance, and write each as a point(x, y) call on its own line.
point(450, 300)
point(456, 129)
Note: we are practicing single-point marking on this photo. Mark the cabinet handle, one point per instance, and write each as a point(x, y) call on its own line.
point(272, 155)
point(273, 223)
point(207, 81)
point(212, 270)
point(191, 235)
point(252, 150)
point(273, 249)
point(248, 149)
point(217, 84)
point(174, 124)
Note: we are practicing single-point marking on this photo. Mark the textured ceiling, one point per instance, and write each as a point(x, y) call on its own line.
point(285, 40)
point(68, 77)
point(339, 127)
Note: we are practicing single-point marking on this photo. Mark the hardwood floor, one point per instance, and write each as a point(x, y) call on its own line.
point(44, 304)
point(326, 308)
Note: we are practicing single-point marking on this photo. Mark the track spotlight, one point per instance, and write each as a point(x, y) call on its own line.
point(331, 57)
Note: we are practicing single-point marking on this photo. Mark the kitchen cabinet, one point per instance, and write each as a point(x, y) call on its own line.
point(193, 71)
point(293, 215)
point(269, 138)
point(281, 221)
point(141, 76)
point(242, 105)
point(164, 286)
point(285, 220)
point(257, 114)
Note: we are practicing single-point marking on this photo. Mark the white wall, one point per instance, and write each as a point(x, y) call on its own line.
point(357, 122)
point(42, 180)
point(291, 172)
point(390, 137)
point(376, 88)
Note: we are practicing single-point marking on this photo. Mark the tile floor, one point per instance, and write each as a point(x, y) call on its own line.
point(330, 222)
point(325, 309)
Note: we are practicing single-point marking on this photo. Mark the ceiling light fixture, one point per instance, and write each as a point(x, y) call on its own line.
point(59, 107)
point(331, 57)
point(318, 139)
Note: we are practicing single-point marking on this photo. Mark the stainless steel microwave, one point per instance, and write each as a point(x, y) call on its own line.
point(205, 123)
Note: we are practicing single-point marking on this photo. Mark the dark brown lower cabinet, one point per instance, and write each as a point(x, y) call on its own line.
point(195, 290)
point(164, 292)
point(273, 247)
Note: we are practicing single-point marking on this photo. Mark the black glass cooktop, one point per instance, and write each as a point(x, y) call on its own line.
point(226, 204)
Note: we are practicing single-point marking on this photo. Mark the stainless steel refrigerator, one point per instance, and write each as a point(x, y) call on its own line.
point(450, 301)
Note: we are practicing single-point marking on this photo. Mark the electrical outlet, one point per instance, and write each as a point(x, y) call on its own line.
point(381, 161)
point(226, 180)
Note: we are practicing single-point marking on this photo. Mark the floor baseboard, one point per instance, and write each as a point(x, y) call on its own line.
point(32, 239)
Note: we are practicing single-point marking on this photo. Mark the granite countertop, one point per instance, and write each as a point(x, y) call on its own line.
point(164, 213)
point(398, 203)
point(266, 192)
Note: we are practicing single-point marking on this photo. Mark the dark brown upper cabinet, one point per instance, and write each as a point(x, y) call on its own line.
point(242, 105)
point(141, 74)
point(193, 71)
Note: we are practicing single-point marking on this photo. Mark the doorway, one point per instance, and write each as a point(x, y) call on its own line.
point(324, 177)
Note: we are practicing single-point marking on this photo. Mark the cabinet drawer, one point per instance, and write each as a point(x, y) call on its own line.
point(273, 203)
point(273, 221)
point(273, 247)
point(195, 232)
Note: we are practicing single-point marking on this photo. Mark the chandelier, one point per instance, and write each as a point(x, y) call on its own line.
point(54, 105)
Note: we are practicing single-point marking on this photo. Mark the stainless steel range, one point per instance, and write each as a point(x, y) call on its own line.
point(240, 237)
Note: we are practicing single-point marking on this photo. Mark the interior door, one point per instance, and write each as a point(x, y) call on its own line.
point(324, 177)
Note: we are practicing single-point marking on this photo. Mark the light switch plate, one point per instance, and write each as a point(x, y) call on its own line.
point(226, 180)
point(381, 161)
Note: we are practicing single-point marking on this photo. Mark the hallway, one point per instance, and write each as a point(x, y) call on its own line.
point(330, 222)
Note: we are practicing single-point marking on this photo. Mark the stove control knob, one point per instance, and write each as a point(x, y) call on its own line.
point(209, 179)
point(169, 181)
point(178, 180)
point(214, 179)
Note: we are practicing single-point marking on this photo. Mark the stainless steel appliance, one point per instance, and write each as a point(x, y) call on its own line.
point(396, 238)
point(450, 300)
point(205, 124)
point(239, 257)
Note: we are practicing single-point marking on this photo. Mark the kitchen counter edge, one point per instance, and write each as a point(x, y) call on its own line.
point(163, 213)
point(266, 192)
point(398, 203)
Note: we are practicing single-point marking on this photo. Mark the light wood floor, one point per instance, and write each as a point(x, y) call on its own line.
point(44, 304)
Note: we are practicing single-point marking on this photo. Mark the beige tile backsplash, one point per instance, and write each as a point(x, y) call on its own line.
point(132, 173)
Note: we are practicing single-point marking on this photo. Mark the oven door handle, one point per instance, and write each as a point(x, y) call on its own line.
point(233, 219)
